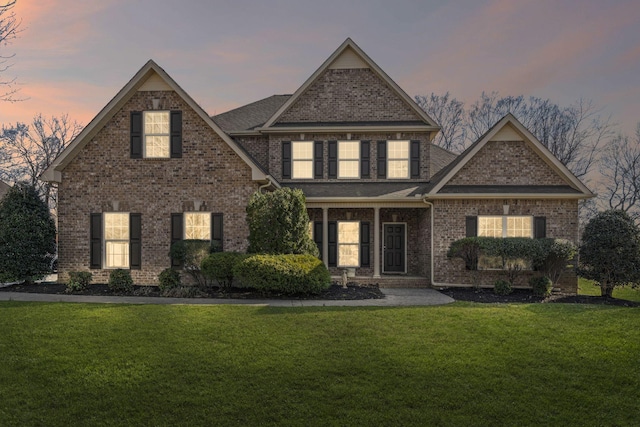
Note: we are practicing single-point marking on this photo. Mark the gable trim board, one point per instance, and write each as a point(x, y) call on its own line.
point(150, 71)
point(350, 49)
point(528, 138)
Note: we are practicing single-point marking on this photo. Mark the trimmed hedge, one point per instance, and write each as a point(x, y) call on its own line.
point(120, 280)
point(284, 274)
point(541, 286)
point(78, 281)
point(502, 287)
point(168, 279)
point(219, 267)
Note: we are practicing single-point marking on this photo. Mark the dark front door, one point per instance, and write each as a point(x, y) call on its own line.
point(394, 251)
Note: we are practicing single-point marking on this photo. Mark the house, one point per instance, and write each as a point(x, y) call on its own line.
point(385, 203)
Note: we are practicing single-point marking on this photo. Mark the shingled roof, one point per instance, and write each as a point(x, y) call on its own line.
point(250, 116)
point(440, 158)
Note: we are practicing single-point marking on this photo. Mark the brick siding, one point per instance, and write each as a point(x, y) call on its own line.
point(103, 172)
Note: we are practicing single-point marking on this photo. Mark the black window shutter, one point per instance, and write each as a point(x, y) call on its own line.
point(286, 159)
point(472, 226)
point(135, 241)
point(333, 243)
point(365, 159)
point(318, 160)
point(415, 159)
point(176, 234)
point(317, 235)
point(333, 159)
point(217, 230)
point(95, 241)
point(136, 135)
point(364, 244)
point(382, 159)
point(540, 227)
point(176, 134)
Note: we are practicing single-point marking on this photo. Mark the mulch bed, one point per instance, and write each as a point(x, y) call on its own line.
point(335, 292)
point(525, 296)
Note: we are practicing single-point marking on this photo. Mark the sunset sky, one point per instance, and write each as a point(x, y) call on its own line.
point(73, 56)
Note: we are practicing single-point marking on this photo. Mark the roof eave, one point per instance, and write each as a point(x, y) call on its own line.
point(576, 196)
point(343, 129)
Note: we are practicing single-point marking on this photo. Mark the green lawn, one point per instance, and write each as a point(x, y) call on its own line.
point(461, 364)
point(586, 287)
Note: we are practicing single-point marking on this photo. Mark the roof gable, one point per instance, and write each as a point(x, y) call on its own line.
point(150, 77)
point(508, 131)
point(347, 60)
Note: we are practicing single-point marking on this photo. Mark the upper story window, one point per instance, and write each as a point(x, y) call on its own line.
point(116, 240)
point(505, 226)
point(302, 159)
point(398, 159)
point(348, 159)
point(197, 226)
point(156, 134)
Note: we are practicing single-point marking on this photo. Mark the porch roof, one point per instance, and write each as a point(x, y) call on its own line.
point(400, 190)
point(508, 189)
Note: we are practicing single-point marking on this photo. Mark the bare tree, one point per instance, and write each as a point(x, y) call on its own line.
point(28, 150)
point(573, 134)
point(9, 28)
point(449, 113)
point(620, 166)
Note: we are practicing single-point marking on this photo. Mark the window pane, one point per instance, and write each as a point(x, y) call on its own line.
point(349, 150)
point(302, 169)
point(519, 226)
point(348, 255)
point(490, 226)
point(398, 169)
point(117, 254)
point(302, 150)
point(398, 149)
point(197, 225)
point(116, 226)
point(348, 232)
point(156, 122)
point(156, 146)
point(349, 169)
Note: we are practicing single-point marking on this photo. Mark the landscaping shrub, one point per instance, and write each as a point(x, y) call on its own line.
point(502, 287)
point(190, 253)
point(279, 223)
point(541, 286)
point(553, 257)
point(219, 267)
point(78, 281)
point(285, 274)
point(120, 281)
point(183, 292)
point(467, 249)
point(168, 279)
point(516, 253)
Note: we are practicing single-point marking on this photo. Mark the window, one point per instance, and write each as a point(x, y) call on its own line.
point(348, 159)
point(505, 226)
point(116, 240)
point(398, 159)
point(348, 244)
point(197, 226)
point(302, 159)
point(156, 134)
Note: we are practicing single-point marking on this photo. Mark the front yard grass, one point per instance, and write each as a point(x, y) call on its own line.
point(462, 364)
point(586, 287)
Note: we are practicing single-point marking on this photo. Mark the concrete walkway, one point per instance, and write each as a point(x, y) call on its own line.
point(394, 297)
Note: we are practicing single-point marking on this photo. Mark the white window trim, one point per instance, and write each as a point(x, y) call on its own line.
point(357, 160)
point(184, 221)
point(504, 223)
point(338, 244)
point(144, 134)
point(305, 160)
point(105, 240)
point(407, 159)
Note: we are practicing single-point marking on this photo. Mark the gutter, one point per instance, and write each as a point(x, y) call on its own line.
point(432, 269)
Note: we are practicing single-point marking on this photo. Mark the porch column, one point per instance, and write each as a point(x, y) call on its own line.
point(376, 242)
point(325, 236)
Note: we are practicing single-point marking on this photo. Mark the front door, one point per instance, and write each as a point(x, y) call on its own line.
point(394, 248)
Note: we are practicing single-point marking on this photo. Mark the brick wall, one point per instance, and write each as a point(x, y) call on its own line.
point(257, 147)
point(103, 172)
point(449, 225)
point(506, 163)
point(351, 95)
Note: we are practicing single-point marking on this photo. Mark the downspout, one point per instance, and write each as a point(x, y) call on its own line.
point(432, 269)
point(265, 185)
